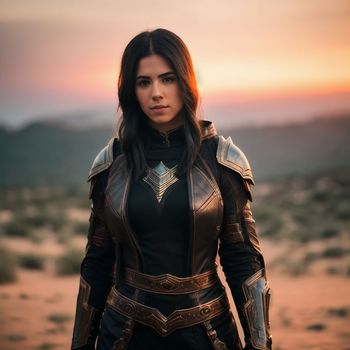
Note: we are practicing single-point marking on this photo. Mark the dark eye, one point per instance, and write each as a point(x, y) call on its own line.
point(168, 79)
point(142, 82)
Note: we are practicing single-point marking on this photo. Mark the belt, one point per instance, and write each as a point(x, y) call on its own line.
point(177, 319)
point(170, 284)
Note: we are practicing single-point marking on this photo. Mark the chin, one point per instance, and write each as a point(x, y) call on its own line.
point(162, 120)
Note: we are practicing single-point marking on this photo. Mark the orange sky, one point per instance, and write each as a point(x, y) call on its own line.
point(58, 56)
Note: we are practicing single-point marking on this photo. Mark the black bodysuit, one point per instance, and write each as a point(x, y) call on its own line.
point(162, 228)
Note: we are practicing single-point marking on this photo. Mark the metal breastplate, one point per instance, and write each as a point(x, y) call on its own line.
point(160, 178)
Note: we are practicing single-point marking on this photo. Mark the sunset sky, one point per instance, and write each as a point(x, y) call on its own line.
point(256, 61)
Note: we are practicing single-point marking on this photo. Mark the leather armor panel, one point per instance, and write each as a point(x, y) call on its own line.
point(115, 211)
point(207, 211)
point(205, 201)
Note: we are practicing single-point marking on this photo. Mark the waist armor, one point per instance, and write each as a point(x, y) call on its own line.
point(170, 284)
point(165, 325)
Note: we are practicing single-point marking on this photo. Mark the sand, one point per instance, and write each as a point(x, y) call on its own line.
point(311, 311)
point(298, 303)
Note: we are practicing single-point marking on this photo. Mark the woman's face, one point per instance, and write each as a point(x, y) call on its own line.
point(157, 92)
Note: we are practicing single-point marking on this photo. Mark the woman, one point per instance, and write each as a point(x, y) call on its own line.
point(163, 195)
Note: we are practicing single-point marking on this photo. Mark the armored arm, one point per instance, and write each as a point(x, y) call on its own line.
point(239, 249)
point(97, 268)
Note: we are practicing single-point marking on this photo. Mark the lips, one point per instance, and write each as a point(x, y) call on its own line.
point(159, 107)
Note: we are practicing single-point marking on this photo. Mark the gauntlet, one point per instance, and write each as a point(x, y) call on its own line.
point(254, 312)
point(87, 320)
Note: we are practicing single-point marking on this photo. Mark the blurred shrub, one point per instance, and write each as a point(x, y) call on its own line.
point(333, 271)
point(69, 263)
point(310, 257)
point(329, 233)
point(83, 202)
point(64, 236)
point(320, 196)
point(24, 296)
point(7, 266)
point(47, 346)
point(261, 214)
point(302, 235)
point(334, 252)
point(16, 229)
point(273, 228)
point(57, 222)
point(295, 268)
point(339, 312)
point(36, 236)
point(59, 318)
point(318, 327)
point(40, 207)
point(343, 214)
point(81, 228)
point(38, 220)
point(301, 217)
point(31, 261)
point(16, 337)
point(309, 233)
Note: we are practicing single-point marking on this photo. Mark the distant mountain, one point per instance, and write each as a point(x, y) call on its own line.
point(44, 154)
point(276, 151)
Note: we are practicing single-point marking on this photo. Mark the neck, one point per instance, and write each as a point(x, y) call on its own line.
point(167, 127)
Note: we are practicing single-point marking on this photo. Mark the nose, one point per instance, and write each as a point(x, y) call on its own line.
point(156, 91)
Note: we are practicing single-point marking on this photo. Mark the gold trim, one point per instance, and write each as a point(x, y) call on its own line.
point(170, 284)
point(166, 325)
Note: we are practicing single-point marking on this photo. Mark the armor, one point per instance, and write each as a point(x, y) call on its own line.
point(160, 178)
point(103, 160)
point(252, 294)
point(87, 319)
point(163, 325)
point(228, 154)
point(116, 266)
point(231, 156)
point(170, 284)
point(257, 295)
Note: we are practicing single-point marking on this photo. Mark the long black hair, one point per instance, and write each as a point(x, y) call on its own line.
point(170, 47)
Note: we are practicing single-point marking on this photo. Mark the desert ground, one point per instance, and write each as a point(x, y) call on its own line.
point(310, 311)
point(305, 239)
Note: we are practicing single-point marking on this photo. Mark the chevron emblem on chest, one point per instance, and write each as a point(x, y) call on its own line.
point(160, 178)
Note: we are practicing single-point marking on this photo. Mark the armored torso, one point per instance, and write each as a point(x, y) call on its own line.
point(150, 261)
point(158, 207)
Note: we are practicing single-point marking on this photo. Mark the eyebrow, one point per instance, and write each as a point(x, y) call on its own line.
point(159, 76)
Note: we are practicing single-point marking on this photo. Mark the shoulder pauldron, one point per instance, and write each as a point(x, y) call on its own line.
point(103, 160)
point(229, 155)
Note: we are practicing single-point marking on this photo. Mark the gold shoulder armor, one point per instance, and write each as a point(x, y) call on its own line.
point(103, 160)
point(229, 155)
